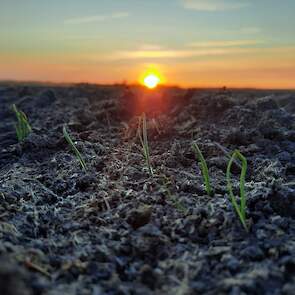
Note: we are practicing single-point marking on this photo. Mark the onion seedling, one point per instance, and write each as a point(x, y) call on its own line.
point(239, 208)
point(204, 168)
point(22, 127)
point(74, 149)
point(142, 133)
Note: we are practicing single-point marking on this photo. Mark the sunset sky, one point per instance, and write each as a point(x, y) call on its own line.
point(240, 43)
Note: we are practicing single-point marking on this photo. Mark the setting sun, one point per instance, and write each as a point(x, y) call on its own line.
point(151, 81)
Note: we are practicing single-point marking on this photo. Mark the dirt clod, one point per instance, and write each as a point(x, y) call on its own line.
point(139, 217)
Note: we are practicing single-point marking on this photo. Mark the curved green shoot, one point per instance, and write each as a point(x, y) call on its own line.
point(204, 168)
point(239, 208)
point(74, 149)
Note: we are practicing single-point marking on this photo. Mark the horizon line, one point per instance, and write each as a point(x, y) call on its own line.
point(136, 84)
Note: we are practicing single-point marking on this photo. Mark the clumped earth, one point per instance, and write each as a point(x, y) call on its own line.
point(114, 229)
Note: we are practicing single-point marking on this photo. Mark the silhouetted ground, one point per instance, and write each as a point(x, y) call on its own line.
point(116, 230)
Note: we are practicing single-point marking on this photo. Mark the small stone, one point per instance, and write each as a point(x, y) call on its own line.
point(139, 217)
point(55, 261)
point(284, 157)
point(218, 250)
point(150, 230)
point(233, 264)
point(252, 253)
point(100, 271)
point(13, 280)
point(85, 182)
point(148, 276)
point(199, 287)
point(289, 264)
point(99, 165)
point(220, 162)
point(189, 187)
point(102, 254)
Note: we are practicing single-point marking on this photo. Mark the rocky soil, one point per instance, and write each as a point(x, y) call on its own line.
point(114, 229)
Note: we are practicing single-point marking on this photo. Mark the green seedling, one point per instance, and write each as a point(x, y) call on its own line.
point(204, 168)
point(239, 208)
point(22, 127)
point(142, 133)
point(74, 149)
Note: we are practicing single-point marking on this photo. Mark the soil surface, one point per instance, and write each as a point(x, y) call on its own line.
point(114, 229)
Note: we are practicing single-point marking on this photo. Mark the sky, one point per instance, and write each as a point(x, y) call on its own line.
point(201, 43)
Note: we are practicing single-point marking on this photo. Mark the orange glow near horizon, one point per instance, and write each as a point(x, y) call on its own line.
point(274, 69)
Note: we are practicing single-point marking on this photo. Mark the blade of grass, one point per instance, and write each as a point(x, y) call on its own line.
point(74, 149)
point(204, 168)
point(240, 209)
point(142, 133)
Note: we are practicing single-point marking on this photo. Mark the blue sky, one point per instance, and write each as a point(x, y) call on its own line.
point(193, 42)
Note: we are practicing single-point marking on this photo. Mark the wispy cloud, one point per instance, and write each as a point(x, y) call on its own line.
point(151, 47)
point(175, 54)
point(214, 5)
point(96, 18)
point(225, 43)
